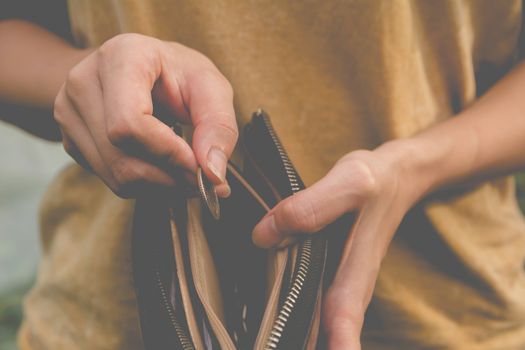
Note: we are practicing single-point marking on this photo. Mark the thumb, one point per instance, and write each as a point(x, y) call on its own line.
point(307, 211)
point(210, 98)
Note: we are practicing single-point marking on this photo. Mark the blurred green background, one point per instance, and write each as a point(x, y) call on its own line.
point(28, 166)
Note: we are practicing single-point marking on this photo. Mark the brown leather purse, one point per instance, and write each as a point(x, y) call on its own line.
point(202, 284)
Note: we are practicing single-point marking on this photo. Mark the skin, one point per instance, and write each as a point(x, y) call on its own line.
point(104, 108)
point(105, 112)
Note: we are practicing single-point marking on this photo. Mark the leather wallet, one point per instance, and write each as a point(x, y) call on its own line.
point(202, 284)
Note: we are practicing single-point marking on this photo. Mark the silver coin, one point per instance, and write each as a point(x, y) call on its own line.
point(208, 194)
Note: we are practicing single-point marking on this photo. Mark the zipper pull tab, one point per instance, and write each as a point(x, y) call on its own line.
point(208, 194)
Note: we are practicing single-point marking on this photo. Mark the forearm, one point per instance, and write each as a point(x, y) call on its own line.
point(487, 139)
point(33, 64)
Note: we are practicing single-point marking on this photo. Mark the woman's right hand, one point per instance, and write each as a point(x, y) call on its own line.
point(105, 113)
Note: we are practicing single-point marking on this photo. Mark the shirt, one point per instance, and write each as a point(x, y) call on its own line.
point(335, 76)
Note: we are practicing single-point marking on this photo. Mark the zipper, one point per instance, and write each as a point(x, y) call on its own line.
point(292, 324)
point(291, 173)
point(182, 333)
point(153, 263)
point(291, 298)
point(308, 267)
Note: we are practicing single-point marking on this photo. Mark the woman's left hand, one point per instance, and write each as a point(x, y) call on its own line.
point(379, 187)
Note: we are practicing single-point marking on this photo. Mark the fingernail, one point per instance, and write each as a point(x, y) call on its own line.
point(223, 190)
point(265, 234)
point(217, 163)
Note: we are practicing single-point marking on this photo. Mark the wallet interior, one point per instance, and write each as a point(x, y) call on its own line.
point(237, 283)
point(202, 283)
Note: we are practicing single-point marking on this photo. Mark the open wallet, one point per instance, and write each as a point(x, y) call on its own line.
point(201, 283)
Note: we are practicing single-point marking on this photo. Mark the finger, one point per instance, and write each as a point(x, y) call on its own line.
point(126, 176)
point(223, 190)
point(348, 297)
point(72, 149)
point(127, 81)
point(308, 211)
point(151, 180)
point(210, 98)
point(135, 178)
point(77, 139)
point(152, 140)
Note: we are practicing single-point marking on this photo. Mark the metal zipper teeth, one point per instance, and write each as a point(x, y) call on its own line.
point(304, 256)
point(184, 340)
point(288, 167)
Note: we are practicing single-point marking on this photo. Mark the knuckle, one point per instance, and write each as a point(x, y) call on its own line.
point(131, 177)
point(129, 49)
point(75, 73)
point(132, 52)
point(125, 175)
point(230, 130)
point(59, 110)
point(121, 41)
point(367, 183)
point(174, 156)
point(360, 179)
point(120, 131)
point(121, 186)
point(75, 82)
point(301, 216)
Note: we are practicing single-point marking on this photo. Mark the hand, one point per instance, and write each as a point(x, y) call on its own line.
point(378, 188)
point(105, 107)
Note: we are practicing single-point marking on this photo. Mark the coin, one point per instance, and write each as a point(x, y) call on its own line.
point(208, 194)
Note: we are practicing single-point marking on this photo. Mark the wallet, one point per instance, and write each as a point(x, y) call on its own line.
point(201, 283)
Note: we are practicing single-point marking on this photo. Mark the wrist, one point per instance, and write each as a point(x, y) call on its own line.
point(442, 156)
point(409, 160)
